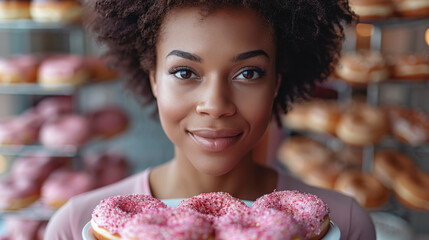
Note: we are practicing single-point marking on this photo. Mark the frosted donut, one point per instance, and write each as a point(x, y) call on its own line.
point(99, 70)
point(67, 130)
point(108, 121)
point(372, 9)
point(17, 131)
point(299, 154)
point(53, 107)
point(296, 119)
point(111, 214)
point(14, 9)
point(308, 210)
point(389, 164)
point(166, 224)
point(412, 8)
point(62, 185)
point(362, 67)
point(19, 69)
point(214, 204)
point(107, 167)
point(412, 190)
point(258, 224)
point(368, 191)
point(63, 69)
point(14, 226)
point(410, 67)
point(56, 10)
point(37, 165)
point(408, 125)
point(18, 192)
point(323, 116)
point(362, 125)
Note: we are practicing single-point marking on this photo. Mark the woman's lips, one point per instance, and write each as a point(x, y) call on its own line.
point(215, 140)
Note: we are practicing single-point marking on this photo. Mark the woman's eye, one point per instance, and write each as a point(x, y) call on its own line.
point(249, 75)
point(184, 74)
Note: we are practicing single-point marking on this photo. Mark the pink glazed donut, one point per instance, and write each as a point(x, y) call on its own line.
point(54, 106)
point(67, 130)
point(111, 214)
point(308, 210)
point(108, 122)
point(64, 184)
point(258, 224)
point(214, 204)
point(17, 131)
point(168, 223)
point(18, 192)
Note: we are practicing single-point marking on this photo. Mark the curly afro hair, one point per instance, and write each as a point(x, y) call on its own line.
point(309, 35)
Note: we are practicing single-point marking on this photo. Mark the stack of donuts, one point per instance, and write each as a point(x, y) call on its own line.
point(53, 70)
point(53, 123)
point(37, 175)
point(364, 66)
point(42, 10)
point(275, 216)
point(369, 10)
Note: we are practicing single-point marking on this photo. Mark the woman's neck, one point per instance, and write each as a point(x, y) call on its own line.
point(180, 179)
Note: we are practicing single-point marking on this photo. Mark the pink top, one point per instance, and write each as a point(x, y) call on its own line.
point(68, 222)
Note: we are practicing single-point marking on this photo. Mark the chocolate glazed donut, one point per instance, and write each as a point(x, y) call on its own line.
point(56, 10)
point(14, 9)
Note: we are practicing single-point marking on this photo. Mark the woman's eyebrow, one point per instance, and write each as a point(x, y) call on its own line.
point(250, 54)
point(185, 55)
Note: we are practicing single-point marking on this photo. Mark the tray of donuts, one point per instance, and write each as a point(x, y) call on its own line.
point(38, 183)
point(52, 71)
point(215, 215)
point(358, 123)
point(51, 11)
point(363, 67)
point(393, 173)
point(54, 125)
point(390, 9)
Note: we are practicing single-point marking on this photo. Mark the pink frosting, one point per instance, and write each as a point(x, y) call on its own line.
point(24, 66)
point(108, 121)
point(307, 209)
point(67, 130)
point(18, 131)
point(64, 184)
point(166, 224)
point(54, 106)
point(13, 188)
point(112, 213)
point(214, 204)
point(257, 224)
point(61, 65)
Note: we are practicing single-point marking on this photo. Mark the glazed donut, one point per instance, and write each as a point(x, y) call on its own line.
point(368, 191)
point(53, 107)
point(323, 116)
point(106, 168)
point(111, 214)
point(362, 124)
point(99, 70)
point(296, 119)
point(410, 67)
point(18, 192)
point(67, 130)
point(62, 185)
point(56, 10)
point(362, 67)
point(17, 131)
point(412, 190)
point(299, 154)
point(166, 224)
point(388, 164)
point(372, 9)
point(37, 165)
point(258, 224)
point(108, 121)
point(323, 176)
point(214, 204)
point(311, 212)
point(66, 69)
point(14, 226)
point(19, 69)
point(412, 8)
point(408, 125)
point(14, 9)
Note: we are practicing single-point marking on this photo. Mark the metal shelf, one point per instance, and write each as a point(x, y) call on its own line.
point(36, 89)
point(28, 24)
point(22, 150)
point(37, 211)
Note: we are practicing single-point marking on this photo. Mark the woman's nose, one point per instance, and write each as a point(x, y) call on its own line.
point(216, 99)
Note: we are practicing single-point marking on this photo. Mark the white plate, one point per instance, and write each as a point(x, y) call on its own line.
point(332, 234)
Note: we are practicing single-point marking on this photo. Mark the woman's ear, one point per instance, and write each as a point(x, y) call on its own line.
point(152, 79)
point(278, 83)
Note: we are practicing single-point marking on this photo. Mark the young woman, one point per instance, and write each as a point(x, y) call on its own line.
point(219, 72)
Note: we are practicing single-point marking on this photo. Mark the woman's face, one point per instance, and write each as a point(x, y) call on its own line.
point(215, 83)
